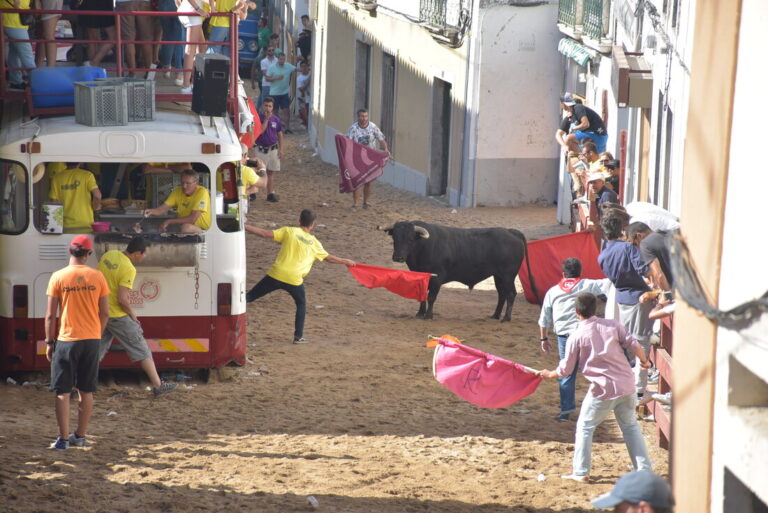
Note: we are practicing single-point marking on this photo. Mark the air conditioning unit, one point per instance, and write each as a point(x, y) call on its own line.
point(367, 5)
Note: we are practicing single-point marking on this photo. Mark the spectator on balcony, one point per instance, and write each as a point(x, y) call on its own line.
point(579, 168)
point(219, 25)
point(136, 28)
point(93, 25)
point(586, 123)
point(654, 246)
point(565, 128)
point(612, 179)
point(19, 52)
point(195, 37)
point(601, 193)
point(171, 56)
point(45, 53)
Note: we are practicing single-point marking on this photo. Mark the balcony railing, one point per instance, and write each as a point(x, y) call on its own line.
point(440, 13)
point(566, 13)
point(596, 18)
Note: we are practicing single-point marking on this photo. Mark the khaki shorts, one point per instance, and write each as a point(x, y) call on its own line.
point(53, 5)
point(129, 335)
point(270, 158)
point(131, 26)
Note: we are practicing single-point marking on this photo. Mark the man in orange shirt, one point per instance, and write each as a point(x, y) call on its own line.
point(82, 295)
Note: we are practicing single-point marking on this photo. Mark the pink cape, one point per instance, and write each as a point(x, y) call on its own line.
point(481, 378)
point(358, 164)
point(409, 284)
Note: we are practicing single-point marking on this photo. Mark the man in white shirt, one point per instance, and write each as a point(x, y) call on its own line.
point(366, 133)
point(265, 64)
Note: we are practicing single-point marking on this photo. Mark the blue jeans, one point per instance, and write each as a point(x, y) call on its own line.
point(19, 54)
point(567, 384)
point(593, 413)
point(171, 55)
point(219, 35)
point(263, 94)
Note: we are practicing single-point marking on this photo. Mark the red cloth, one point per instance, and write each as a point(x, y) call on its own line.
point(547, 257)
point(249, 138)
point(481, 378)
point(358, 164)
point(409, 284)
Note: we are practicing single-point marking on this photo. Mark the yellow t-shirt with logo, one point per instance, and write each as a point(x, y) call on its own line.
point(298, 251)
point(73, 187)
point(119, 271)
point(249, 177)
point(185, 205)
point(222, 6)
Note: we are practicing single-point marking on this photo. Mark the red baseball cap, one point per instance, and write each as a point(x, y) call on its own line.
point(81, 242)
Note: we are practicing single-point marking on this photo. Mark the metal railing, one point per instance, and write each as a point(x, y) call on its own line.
point(118, 48)
point(440, 13)
point(596, 18)
point(566, 12)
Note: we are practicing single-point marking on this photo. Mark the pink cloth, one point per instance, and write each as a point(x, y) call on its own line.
point(481, 378)
point(409, 284)
point(597, 347)
point(358, 164)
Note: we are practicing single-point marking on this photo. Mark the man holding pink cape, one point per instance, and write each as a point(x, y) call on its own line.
point(361, 163)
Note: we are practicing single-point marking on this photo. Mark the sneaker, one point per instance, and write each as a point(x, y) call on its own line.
point(151, 74)
point(179, 82)
point(164, 388)
point(663, 398)
point(353, 208)
point(574, 477)
point(564, 417)
point(366, 206)
point(60, 443)
point(77, 441)
point(186, 90)
point(273, 198)
point(86, 63)
point(301, 340)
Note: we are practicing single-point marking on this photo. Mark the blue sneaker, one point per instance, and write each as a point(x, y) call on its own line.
point(77, 441)
point(60, 443)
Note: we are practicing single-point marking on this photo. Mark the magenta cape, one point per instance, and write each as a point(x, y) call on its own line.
point(358, 164)
point(481, 378)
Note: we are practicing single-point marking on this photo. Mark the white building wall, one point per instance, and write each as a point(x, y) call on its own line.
point(741, 432)
point(517, 111)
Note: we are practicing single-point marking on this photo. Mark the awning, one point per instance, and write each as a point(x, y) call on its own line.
point(575, 51)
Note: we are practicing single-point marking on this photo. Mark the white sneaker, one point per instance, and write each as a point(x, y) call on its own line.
point(86, 63)
point(186, 90)
point(663, 398)
point(151, 74)
point(179, 82)
point(574, 477)
point(301, 340)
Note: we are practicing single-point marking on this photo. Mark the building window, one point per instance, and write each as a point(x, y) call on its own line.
point(13, 197)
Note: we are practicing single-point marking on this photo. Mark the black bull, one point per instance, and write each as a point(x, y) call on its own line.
point(466, 255)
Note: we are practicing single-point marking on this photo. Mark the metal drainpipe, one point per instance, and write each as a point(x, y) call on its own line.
point(470, 87)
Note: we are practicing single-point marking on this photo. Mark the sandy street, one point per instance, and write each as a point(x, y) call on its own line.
point(354, 418)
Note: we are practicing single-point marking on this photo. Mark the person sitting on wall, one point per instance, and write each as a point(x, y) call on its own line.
point(192, 202)
point(586, 123)
point(76, 189)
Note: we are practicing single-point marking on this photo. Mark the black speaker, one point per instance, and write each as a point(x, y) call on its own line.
point(209, 94)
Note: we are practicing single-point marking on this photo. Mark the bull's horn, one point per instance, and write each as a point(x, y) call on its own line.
point(385, 228)
point(421, 231)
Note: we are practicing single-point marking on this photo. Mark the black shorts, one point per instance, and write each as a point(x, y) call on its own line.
point(75, 364)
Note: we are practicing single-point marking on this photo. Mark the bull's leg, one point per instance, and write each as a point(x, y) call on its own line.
point(422, 310)
point(506, 291)
point(434, 288)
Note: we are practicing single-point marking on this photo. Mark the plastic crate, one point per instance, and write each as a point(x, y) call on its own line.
point(141, 97)
point(100, 104)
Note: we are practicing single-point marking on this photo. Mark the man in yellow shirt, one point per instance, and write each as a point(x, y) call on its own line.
point(192, 202)
point(120, 273)
point(219, 25)
point(298, 251)
point(76, 189)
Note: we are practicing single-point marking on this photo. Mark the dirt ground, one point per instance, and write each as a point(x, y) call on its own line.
point(354, 418)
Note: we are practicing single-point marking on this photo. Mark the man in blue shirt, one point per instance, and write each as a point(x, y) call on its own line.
point(279, 78)
point(602, 193)
point(624, 265)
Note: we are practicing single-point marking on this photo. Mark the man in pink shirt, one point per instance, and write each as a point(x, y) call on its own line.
point(597, 347)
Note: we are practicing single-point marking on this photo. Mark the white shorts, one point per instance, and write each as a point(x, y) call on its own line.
point(188, 21)
point(53, 5)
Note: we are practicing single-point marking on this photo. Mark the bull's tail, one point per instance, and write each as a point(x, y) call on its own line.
point(535, 290)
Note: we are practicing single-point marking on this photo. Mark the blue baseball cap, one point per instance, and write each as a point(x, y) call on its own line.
point(636, 487)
